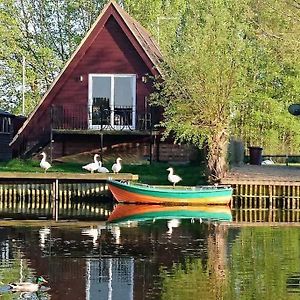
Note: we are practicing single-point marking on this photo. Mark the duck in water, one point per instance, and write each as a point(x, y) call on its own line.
point(29, 287)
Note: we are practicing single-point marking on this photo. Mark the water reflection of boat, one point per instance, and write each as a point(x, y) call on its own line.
point(143, 212)
point(144, 193)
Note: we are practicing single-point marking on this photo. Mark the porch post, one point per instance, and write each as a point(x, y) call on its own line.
point(51, 133)
point(101, 147)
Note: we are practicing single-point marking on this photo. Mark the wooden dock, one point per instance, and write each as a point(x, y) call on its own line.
point(278, 174)
point(52, 190)
point(53, 176)
point(265, 186)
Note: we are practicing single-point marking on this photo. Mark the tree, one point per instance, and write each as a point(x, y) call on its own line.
point(46, 33)
point(223, 77)
point(262, 117)
point(203, 68)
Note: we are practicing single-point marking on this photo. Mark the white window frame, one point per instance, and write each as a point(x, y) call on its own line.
point(111, 102)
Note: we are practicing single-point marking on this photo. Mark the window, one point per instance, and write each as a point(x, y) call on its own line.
point(112, 101)
point(5, 124)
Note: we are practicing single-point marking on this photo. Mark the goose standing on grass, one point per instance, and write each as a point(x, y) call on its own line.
point(44, 164)
point(116, 168)
point(102, 169)
point(172, 177)
point(27, 286)
point(92, 166)
point(267, 162)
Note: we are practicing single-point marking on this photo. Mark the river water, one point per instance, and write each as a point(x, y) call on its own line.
point(96, 251)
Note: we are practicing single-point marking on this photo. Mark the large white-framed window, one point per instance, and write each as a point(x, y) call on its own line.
point(112, 101)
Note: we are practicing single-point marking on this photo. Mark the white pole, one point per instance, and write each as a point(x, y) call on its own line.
point(23, 86)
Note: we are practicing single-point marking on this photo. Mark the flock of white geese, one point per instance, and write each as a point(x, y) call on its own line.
point(96, 166)
point(91, 167)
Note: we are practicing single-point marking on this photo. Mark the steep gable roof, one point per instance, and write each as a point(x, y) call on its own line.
point(137, 34)
point(143, 36)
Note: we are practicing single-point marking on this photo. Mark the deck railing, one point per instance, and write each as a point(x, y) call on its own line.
point(82, 117)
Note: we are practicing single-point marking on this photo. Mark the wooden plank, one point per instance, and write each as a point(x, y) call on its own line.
point(104, 132)
point(68, 176)
point(253, 181)
point(240, 224)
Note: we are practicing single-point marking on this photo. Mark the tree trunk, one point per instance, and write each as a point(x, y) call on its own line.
point(217, 156)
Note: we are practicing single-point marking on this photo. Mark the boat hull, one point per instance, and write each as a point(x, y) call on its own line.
point(131, 193)
point(144, 212)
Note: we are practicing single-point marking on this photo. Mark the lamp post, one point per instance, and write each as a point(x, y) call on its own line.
point(23, 85)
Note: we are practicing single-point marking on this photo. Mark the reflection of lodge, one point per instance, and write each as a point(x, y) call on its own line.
point(113, 276)
point(101, 276)
point(36, 199)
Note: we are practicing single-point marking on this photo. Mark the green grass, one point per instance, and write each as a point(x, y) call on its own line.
point(156, 173)
point(18, 165)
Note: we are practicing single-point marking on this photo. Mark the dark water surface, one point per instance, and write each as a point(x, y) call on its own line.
point(162, 254)
point(161, 259)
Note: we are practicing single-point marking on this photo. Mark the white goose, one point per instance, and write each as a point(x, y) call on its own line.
point(267, 162)
point(44, 164)
point(116, 168)
point(102, 169)
point(92, 166)
point(172, 177)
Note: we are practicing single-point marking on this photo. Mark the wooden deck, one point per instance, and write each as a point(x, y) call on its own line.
point(267, 174)
point(268, 186)
point(52, 176)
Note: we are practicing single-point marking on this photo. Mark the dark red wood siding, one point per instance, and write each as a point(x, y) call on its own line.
point(107, 50)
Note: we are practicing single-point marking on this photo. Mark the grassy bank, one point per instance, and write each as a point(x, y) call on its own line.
point(155, 173)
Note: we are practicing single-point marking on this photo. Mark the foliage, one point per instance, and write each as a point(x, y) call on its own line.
point(228, 74)
point(261, 117)
point(45, 33)
point(201, 81)
point(160, 17)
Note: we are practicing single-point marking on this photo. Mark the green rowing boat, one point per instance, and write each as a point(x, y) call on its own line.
point(128, 192)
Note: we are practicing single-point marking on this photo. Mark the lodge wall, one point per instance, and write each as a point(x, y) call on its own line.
point(109, 51)
point(5, 151)
point(131, 148)
point(9, 124)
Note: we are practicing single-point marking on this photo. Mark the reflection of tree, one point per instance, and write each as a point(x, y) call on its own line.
point(262, 260)
point(13, 270)
point(216, 248)
point(197, 278)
